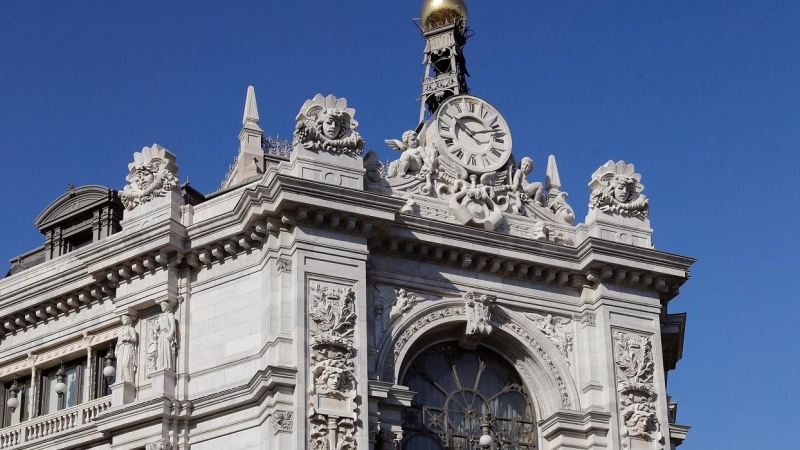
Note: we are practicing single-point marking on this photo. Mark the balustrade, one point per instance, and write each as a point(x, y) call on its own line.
point(50, 424)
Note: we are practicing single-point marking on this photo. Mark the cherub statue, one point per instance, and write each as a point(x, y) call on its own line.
point(520, 182)
point(415, 158)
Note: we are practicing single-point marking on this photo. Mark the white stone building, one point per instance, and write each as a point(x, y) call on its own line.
point(324, 300)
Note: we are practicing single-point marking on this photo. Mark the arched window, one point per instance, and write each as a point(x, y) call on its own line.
point(455, 389)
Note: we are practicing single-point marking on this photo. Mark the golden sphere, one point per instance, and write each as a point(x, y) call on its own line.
point(437, 13)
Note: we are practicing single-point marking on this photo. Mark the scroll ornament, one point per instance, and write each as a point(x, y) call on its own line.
point(151, 175)
point(327, 124)
point(616, 188)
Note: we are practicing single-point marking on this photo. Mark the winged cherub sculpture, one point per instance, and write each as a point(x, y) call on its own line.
point(414, 158)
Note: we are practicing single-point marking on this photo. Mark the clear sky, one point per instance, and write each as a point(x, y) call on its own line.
point(703, 96)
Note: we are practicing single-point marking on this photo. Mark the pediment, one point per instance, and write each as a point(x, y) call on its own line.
point(75, 202)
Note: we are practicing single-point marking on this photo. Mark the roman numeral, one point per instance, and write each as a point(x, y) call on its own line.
point(471, 160)
point(459, 153)
point(449, 142)
point(497, 152)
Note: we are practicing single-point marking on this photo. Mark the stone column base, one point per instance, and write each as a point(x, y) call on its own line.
point(575, 430)
point(163, 383)
point(122, 393)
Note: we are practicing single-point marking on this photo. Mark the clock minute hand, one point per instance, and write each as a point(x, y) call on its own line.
point(488, 131)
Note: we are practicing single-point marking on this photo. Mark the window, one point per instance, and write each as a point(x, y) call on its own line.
point(75, 379)
point(21, 414)
point(455, 389)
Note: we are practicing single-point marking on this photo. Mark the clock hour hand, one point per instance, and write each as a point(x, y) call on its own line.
point(464, 127)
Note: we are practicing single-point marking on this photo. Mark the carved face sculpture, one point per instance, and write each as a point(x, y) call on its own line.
point(165, 307)
point(331, 126)
point(144, 178)
point(334, 380)
point(621, 189)
point(526, 165)
point(411, 139)
point(126, 320)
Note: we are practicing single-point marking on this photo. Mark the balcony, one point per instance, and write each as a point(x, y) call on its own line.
point(51, 424)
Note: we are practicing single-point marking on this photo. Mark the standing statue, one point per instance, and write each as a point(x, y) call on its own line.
point(127, 343)
point(163, 344)
point(415, 157)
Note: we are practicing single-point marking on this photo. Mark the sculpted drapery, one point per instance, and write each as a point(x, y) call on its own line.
point(163, 341)
point(127, 342)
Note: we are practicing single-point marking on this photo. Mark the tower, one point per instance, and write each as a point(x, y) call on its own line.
point(444, 25)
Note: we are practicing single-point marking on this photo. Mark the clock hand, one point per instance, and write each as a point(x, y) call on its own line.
point(488, 131)
point(464, 127)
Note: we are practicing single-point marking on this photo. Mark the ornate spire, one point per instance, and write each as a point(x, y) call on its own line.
point(251, 109)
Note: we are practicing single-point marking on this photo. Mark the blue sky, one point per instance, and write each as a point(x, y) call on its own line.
point(703, 96)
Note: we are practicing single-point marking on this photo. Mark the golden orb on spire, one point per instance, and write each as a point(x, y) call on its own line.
point(438, 13)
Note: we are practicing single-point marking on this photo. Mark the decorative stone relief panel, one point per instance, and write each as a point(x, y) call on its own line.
point(151, 175)
point(557, 330)
point(284, 265)
point(332, 393)
point(635, 370)
point(479, 315)
point(283, 421)
point(390, 304)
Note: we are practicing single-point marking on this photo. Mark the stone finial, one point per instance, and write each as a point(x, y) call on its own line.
point(556, 199)
point(251, 109)
point(151, 175)
point(327, 124)
point(616, 188)
point(553, 180)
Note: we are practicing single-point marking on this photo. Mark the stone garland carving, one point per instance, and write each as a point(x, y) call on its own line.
point(479, 314)
point(635, 376)
point(126, 351)
point(474, 198)
point(283, 421)
point(162, 344)
point(557, 331)
point(159, 445)
point(327, 124)
point(151, 175)
point(333, 317)
point(616, 188)
point(566, 401)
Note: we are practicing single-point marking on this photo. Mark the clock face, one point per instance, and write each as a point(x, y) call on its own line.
point(473, 133)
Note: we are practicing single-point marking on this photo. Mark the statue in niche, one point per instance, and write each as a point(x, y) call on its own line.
point(616, 188)
point(520, 182)
point(127, 344)
point(163, 342)
point(326, 123)
point(415, 158)
point(151, 175)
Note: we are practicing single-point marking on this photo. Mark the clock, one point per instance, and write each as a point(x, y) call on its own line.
point(472, 133)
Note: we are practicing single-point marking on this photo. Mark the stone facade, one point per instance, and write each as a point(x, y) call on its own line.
point(305, 305)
